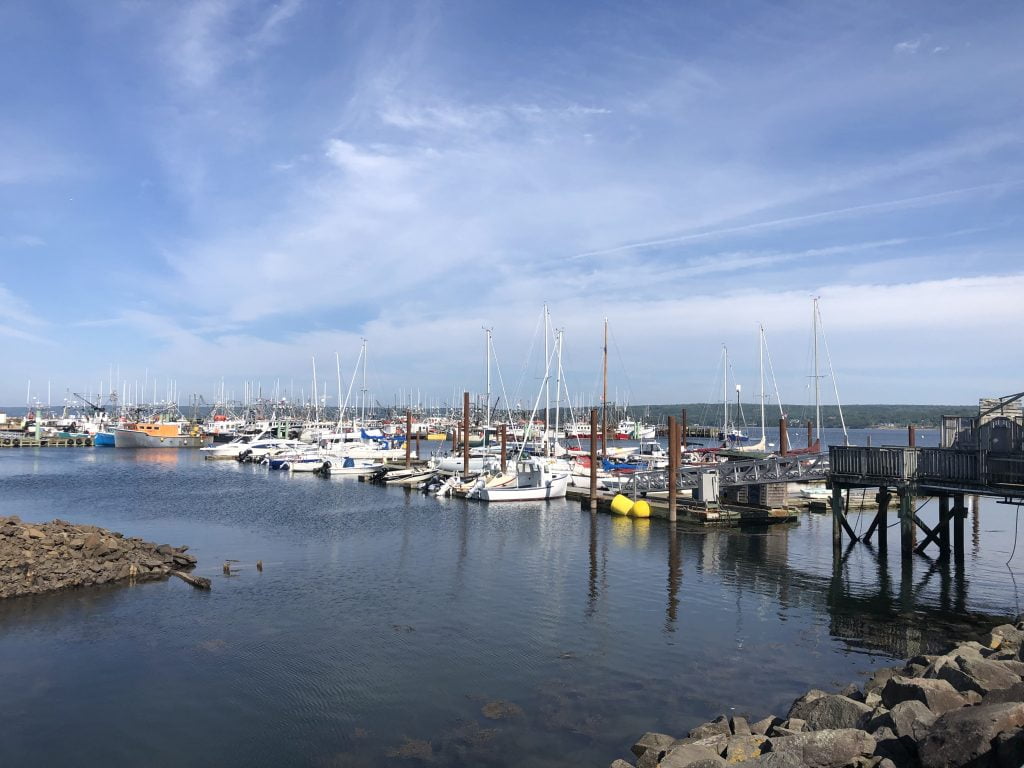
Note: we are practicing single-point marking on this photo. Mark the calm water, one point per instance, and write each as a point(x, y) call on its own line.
point(385, 622)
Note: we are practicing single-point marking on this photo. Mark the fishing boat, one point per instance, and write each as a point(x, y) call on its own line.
point(535, 481)
point(160, 434)
point(629, 429)
point(103, 438)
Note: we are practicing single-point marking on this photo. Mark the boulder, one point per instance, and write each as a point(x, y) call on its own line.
point(1009, 749)
point(908, 720)
point(961, 736)
point(831, 712)
point(716, 742)
point(1012, 694)
point(825, 749)
point(879, 678)
point(717, 726)
point(938, 695)
point(741, 748)
point(92, 541)
point(739, 726)
point(761, 727)
point(990, 675)
point(659, 742)
point(795, 724)
point(873, 699)
point(959, 679)
point(801, 704)
point(620, 763)
point(687, 755)
point(889, 745)
point(1017, 667)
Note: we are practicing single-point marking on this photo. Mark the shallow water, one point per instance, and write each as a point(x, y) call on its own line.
point(386, 624)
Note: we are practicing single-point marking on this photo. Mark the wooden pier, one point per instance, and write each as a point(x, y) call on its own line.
point(978, 456)
point(31, 441)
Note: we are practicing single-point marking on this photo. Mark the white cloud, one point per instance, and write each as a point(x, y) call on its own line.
point(907, 47)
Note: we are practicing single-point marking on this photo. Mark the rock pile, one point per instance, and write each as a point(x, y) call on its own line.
point(964, 708)
point(37, 558)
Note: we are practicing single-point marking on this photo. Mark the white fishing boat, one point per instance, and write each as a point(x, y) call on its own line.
point(234, 448)
point(535, 481)
point(350, 467)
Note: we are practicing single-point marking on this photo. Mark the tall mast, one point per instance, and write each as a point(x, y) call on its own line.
point(558, 385)
point(725, 392)
point(547, 378)
point(363, 416)
point(487, 405)
point(337, 364)
point(817, 378)
point(760, 366)
point(604, 390)
point(316, 402)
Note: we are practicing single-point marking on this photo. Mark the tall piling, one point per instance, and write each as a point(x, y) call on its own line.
point(883, 498)
point(944, 525)
point(465, 433)
point(673, 466)
point(783, 437)
point(837, 525)
point(911, 436)
point(504, 447)
point(959, 514)
point(593, 459)
point(682, 428)
point(408, 439)
point(810, 434)
point(906, 523)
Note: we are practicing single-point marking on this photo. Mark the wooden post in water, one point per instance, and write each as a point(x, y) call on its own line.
point(408, 439)
point(837, 525)
point(869, 441)
point(465, 433)
point(883, 498)
point(906, 523)
point(959, 513)
point(911, 436)
point(943, 525)
point(504, 448)
point(682, 428)
point(783, 437)
point(810, 434)
point(673, 466)
point(593, 459)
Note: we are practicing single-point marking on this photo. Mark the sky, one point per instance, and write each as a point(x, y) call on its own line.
point(221, 190)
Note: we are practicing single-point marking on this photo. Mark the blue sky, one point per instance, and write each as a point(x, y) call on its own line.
point(198, 190)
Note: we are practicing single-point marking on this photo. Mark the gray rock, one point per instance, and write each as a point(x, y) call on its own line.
point(739, 726)
point(761, 727)
point(832, 712)
point(795, 724)
point(873, 699)
point(1012, 694)
point(740, 748)
point(959, 679)
point(826, 749)
point(656, 741)
point(960, 737)
point(779, 730)
point(687, 755)
point(620, 764)
point(801, 704)
point(1009, 749)
point(772, 760)
point(1016, 667)
point(717, 726)
point(889, 745)
point(879, 678)
point(716, 743)
point(852, 692)
point(990, 675)
point(908, 719)
point(938, 695)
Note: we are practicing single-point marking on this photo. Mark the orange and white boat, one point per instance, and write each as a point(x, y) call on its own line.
point(159, 434)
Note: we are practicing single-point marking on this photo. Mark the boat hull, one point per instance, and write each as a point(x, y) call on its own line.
point(103, 439)
point(552, 489)
point(130, 438)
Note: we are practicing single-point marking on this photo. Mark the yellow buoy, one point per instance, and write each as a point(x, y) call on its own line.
point(640, 509)
point(621, 505)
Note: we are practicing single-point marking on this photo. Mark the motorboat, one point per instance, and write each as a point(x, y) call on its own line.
point(535, 481)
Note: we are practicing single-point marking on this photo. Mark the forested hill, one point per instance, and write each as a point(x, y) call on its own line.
point(857, 416)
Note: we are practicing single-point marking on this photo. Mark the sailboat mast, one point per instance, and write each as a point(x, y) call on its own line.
point(725, 392)
point(558, 385)
point(547, 371)
point(817, 378)
point(487, 408)
point(604, 389)
point(760, 366)
point(363, 416)
point(337, 365)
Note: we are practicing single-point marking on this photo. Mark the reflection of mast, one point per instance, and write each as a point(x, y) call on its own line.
point(674, 578)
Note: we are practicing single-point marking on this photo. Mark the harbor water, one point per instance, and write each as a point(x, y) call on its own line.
point(392, 628)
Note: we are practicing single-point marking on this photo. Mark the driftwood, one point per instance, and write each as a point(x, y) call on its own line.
point(196, 581)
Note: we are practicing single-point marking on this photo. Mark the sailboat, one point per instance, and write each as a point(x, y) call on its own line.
point(760, 445)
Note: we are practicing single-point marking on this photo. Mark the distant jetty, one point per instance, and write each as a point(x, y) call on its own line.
point(36, 558)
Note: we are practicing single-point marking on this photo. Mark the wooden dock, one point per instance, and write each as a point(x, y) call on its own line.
point(31, 441)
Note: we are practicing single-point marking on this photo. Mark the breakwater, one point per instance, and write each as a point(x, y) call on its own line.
point(961, 708)
point(46, 557)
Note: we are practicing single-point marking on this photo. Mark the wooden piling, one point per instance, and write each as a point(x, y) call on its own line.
point(810, 433)
point(906, 523)
point(465, 433)
point(944, 525)
point(259, 566)
point(837, 516)
point(593, 459)
point(883, 498)
point(783, 437)
point(959, 514)
point(682, 428)
point(911, 436)
point(408, 439)
point(673, 466)
point(504, 447)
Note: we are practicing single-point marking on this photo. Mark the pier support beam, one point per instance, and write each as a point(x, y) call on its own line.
point(837, 514)
point(906, 523)
point(673, 466)
point(880, 522)
point(593, 459)
point(465, 433)
point(408, 438)
point(944, 525)
point(959, 514)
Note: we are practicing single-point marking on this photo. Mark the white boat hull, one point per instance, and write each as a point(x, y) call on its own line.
point(553, 488)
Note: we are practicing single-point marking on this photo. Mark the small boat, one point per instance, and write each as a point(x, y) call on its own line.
point(535, 481)
point(306, 464)
point(349, 467)
point(160, 434)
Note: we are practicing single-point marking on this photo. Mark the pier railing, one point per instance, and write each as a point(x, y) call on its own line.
point(868, 464)
point(777, 469)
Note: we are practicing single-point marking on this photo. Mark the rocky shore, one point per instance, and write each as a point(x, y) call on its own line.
point(964, 708)
point(45, 557)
